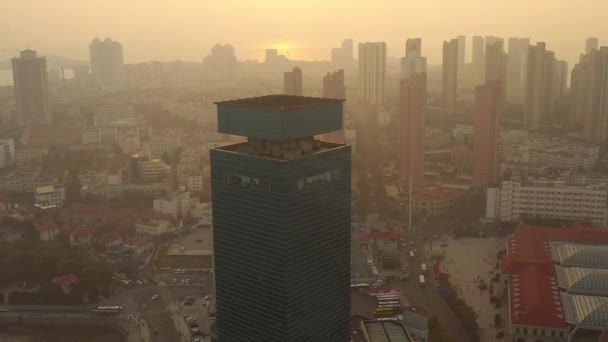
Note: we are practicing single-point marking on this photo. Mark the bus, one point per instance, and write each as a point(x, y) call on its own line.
point(396, 297)
point(393, 307)
point(384, 312)
point(388, 299)
point(107, 310)
point(359, 286)
point(392, 302)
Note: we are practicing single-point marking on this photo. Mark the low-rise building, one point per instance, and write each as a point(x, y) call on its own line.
point(556, 283)
point(203, 213)
point(156, 226)
point(382, 331)
point(519, 146)
point(137, 246)
point(66, 282)
point(49, 230)
point(7, 153)
point(110, 239)
point(176, 204)
point(547, 199)
point(82, 237)
point(435, 201)
point(50, 196)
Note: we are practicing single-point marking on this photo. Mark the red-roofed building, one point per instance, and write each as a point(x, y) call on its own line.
point(82, 236)
point(434, 201)
point(137, 245)
point(535, 306)
point(110, 239)
point(49, 230)
point(66, 282)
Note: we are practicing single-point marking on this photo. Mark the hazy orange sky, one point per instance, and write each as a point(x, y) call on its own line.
point(185, 29)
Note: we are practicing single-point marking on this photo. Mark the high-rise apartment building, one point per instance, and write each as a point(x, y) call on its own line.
point(342, 56)
point(271, 56)
point(221, 62)
point(31, 88)
point(292, 82)
point(496, 61)
point(333, 85)
point(462, 43)
point(577, 93)
point(517, 59)
point(589, 95)
point(449, 89)
point(372, 72)
point(412, 128)
point(560, 80)
point(486, 152)
point(107, 63)
point(538, 100)
point(347, 52)
point(591, 44)
point(281, 218)
point(478, 58)
point(413, 45)
point(413, 62)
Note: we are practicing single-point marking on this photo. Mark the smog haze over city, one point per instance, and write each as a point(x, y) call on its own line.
point(303, 171)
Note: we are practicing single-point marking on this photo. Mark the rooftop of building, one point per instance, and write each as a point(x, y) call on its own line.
point(285, 153)
point(415, 318)
point(580, 280)
point(48, 225)
point(534, 289)
point(279, 102)
point(587, 312)
point(386, 331)
point(173, 195)
point(67, 280)
point(590, 255)
point(82, 232)
point(42, 190)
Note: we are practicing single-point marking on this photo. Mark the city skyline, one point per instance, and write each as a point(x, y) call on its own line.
point(169, 43)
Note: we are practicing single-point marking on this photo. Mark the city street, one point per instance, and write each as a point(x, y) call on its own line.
point(428, 297)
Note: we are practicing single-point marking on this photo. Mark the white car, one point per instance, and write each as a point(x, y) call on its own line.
point(155, 297)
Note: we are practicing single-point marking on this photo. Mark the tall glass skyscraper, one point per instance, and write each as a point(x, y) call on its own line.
point(281, 215)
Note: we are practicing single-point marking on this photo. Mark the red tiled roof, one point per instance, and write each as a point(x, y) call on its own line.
point(534, 296)
point(80, 233)
point(138, 242)
point(109, 237)
point(67, 280)
point(49, 225)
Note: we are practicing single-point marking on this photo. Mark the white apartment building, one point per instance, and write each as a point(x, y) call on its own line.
point(154, 227)
point(549, 199)
point(176, 204)
point(50, 196)
point(25, 154)
point(7, 153)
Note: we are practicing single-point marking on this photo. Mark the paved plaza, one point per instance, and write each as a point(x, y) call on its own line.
point(467, 260)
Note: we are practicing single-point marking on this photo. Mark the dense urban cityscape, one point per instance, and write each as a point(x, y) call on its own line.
point(363, 197)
